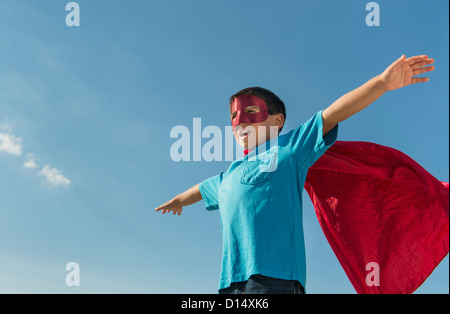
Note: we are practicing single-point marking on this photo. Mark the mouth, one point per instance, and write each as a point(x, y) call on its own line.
point(244, 134)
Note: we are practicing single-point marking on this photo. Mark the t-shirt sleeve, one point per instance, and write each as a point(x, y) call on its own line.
point(307, 142)
point(209, 189)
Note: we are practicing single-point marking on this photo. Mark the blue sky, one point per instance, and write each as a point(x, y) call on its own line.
point(86, 113)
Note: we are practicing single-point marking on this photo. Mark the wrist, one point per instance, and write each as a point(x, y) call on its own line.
point(381, 82)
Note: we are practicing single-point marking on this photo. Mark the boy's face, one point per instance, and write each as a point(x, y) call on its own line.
point(251, 121)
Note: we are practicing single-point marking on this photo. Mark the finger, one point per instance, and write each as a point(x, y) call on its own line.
point(423, 70)
point(161, 207)
point(421, 64)
point(415, 80)
point(415, 59)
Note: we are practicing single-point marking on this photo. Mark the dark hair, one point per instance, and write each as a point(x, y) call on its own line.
point(274, 104)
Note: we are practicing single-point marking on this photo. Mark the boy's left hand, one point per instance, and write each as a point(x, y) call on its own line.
point(401, 73)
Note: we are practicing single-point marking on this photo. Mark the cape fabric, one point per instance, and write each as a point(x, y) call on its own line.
point(385, 217)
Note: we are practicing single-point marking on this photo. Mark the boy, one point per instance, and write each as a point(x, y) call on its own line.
point(260, 200)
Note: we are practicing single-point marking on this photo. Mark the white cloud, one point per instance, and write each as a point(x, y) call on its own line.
point(30, 163)
point(54, 176)
point(10, 144)
point(13, 145)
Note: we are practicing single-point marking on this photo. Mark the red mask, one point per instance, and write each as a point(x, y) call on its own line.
point(241, 102)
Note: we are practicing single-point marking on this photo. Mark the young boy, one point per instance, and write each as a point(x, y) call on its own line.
point(260, 199)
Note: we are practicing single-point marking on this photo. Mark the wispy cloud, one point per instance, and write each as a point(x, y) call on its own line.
point(13, 145)
point(30, 162)
point(10, 144)
point(54, 176)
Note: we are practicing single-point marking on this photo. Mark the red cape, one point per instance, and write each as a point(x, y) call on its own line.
point(377, 205)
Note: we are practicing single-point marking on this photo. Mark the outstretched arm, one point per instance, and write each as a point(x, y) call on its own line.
point(399, 74)
point(186, 198)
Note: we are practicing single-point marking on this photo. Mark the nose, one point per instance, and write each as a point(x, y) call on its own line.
point(242, 127)
point(240, 120)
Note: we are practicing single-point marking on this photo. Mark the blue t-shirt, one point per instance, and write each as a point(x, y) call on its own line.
point(259, 199)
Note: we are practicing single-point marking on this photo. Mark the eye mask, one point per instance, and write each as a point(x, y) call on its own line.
point(243, 101)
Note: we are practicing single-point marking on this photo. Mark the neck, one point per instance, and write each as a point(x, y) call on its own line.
point(261, 148)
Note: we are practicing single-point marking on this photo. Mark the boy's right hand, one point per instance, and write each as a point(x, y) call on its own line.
point(173, 205)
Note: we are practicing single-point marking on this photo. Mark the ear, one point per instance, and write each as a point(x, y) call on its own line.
point(280, 120)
